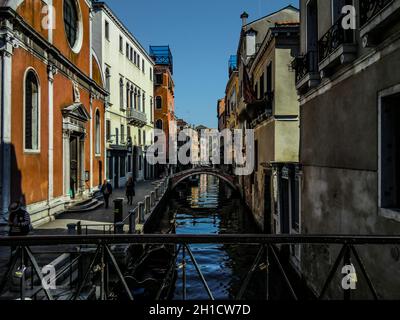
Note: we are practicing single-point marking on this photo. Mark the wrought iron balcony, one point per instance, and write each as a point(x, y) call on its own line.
point(136, 118)
point(370, 8)
point(333, 39)
point(305, 65)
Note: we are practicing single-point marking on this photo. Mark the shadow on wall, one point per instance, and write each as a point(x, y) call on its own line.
point(11, 180)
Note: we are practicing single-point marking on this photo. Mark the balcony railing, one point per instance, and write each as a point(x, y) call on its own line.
point(370, 8)
point(306, 64)
point(136, 117)
point(104, 268)
point(333, 39)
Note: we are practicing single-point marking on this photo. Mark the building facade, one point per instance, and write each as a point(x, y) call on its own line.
point(128, 76)
point(349, 88)
point(268, 104)
point(52, 111)
point(164, 95)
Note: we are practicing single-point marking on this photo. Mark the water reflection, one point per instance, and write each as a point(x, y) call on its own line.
point(210, 207)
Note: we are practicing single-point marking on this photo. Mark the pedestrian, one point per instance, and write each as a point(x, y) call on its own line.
point(106, 190)
point(130, 190)
point(19, 220)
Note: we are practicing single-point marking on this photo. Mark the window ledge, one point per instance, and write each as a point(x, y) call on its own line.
point(392, 214)
point(310, 80)
point(345, 53)
point(34, 152)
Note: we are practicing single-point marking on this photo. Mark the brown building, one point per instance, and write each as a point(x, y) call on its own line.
point(164, 96)
point(52, 111)
point(221, 114)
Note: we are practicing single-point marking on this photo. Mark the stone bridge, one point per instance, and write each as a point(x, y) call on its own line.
point(180, 176)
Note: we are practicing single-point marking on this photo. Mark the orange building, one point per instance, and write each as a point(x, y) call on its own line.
point(164, 107)
point(52, 119)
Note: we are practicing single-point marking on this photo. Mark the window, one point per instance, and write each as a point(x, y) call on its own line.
point(151, 109)
point(107, 30)
point(262, 88)
point(337, 6)
point(108, 76)
point(144, 137)
point(138, 60)
point(390, 153)
point(269, 78)
point(71, 21)
point(131, 54)
point(128, 131)
point(116, 136)
point(31, 112)
point(143, 65)
point(121, 44)
point(140, 137)
point(122, 133)
point(127, 50)
point(134, 99)
point(121, 93)
point(151, 74)
point(128, 96)
point(98, 135)
point(159, 124)
point(108, 130)
point(159, 79)
point(139, 107)
point(144, 102)
point(158, 102)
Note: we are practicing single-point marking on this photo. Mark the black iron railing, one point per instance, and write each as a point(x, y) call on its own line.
point(306, 64)
point(333, 39)
point(103, 262)
point(370, 8)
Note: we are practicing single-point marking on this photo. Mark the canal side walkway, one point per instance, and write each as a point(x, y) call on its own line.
point(101, 216)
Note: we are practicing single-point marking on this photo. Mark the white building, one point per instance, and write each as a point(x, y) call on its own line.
point(128, 75)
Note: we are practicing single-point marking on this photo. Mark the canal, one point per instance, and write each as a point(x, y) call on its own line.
point(209, 206)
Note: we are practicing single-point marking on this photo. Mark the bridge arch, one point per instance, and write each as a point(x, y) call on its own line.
point(181, 176)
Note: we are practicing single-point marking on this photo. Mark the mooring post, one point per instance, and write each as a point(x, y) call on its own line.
point(132, 221)
point(141, 212)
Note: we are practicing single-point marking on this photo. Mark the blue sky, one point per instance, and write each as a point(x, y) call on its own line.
point(202, 35)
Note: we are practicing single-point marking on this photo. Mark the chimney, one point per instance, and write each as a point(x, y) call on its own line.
point(244, 17)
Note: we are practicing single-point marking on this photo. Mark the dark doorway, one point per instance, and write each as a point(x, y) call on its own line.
point(116, 177)
point(267, 204)
point(74, 165)
point(284, 201)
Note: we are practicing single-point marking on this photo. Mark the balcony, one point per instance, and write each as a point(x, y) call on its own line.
point(136, 118)
point(260, 110)
point(375, 16)
point(336, 47)
point(306, 70)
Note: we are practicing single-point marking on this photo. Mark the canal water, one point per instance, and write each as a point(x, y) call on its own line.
point(209, 206)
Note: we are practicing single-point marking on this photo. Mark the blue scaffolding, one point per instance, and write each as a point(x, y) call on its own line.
point(232, 63)
point(162, 56)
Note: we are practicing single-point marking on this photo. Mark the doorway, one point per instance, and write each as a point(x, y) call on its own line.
point(74, 166)
point(116, 176)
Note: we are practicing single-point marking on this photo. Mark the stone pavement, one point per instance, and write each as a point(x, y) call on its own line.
point(100, 216)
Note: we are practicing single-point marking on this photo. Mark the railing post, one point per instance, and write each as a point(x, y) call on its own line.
point(71, 228)
point(119, 228)
point(118, 210)
point(141, 212)
point(132, 221)
point(147, 205)
point(153, 198)
point(157, 193)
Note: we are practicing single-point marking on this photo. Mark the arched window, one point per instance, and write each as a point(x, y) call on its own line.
point(71, 21)
point(108, 76)
point(128, 96)
point(158, 102)
point(31, 112)
point(97, 136)
point(139, 101)
point(132, 98)
point(159, 124)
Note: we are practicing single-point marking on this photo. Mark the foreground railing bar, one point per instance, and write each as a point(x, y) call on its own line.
point(203, 280)
point(249, 274)
point(365, 273)
point(197, 239)
point(283, 273)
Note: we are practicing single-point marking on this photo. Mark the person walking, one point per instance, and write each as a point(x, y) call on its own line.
point(19, 220)
point(130, 190)
point(106, 190)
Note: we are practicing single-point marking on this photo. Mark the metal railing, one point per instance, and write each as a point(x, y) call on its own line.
point(306, 64)
point(370, 8)
point(103, 259)
point(136, 116)
point(333, 39)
